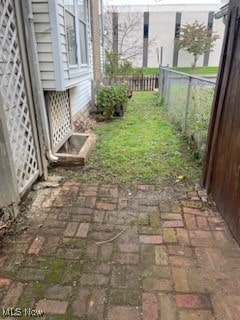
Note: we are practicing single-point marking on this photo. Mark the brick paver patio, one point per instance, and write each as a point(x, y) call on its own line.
point(105, 252)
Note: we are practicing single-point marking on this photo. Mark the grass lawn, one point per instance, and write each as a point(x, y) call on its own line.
point(199, 70)
point(196, 71)
point(150, 71)
point(142, 148)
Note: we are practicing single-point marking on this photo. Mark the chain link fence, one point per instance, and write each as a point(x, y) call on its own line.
point(188, 99)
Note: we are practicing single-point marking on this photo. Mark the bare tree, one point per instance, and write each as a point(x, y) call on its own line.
point(129, 41)
point(129, 33)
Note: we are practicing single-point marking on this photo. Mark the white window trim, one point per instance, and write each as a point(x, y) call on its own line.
point(80, 69)
point(56, 41)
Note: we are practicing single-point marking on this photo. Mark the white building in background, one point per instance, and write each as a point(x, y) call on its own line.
point(157, 28)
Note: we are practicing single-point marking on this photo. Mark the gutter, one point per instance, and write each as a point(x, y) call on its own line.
point(36, 81)
point(223, 12)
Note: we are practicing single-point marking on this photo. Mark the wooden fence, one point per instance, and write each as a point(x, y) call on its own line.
point(222, 163)
point(140, 83)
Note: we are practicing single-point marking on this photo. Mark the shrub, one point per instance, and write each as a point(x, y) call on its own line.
point(121, 93)
point(110, 97)
point(117, 66)
point(106, 100)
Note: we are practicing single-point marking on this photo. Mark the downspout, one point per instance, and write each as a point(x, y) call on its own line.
point(36, 82)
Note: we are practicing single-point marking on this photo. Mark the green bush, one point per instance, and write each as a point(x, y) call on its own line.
point(106, 100)
point(121, 93)
point(117, 66)
point(110, 97)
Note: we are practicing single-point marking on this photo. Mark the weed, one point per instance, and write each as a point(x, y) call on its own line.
point(195, 125)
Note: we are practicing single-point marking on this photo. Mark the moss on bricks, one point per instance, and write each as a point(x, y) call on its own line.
point(55, 272)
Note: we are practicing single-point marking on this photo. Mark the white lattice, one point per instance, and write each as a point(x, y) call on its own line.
point(13, 92)
point(59, 117)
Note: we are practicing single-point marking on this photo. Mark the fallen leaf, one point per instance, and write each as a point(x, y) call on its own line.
point(181, 178)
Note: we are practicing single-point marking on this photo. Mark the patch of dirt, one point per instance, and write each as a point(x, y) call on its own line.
point(84, 124)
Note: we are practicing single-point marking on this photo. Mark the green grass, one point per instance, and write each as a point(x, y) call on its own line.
point(150, 71)
point(199, 70)
point(199, 110)
point(196, 71)
point(143, 148)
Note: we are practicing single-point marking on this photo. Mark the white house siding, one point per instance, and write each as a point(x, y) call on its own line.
point(80, 86)
point(44, 42)
point(80, 96)
point(46, 31)
point(90, 49)
point(63, 39)
point(161, 34)
point(49, 24)
point(102, 57)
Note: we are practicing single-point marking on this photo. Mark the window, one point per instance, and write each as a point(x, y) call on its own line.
point(210, 25)
point(76, 32)
point(71, 32)
point(145, 31)
point(82, 20)
point(177, 30)
point(146, 25)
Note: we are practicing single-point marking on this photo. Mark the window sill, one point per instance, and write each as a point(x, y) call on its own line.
point(77, 77)
point(76, 73)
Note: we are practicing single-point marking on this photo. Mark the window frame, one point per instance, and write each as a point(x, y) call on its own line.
point(85, 23)
point(80, 68)
point(70, 65)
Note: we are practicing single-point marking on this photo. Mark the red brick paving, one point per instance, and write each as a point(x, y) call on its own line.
point(167, 306)
point(193, 211)
point(149, 306)
point(82, 230)
point(167, 259)
point(12, 295)
point(36, 245)
point(173, 224)
point(192, 301)
point(71, 229)
point(123, 313)
point(52, 306)
point(151, 239)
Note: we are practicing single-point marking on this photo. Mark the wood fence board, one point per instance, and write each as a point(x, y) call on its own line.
point(222, 164)
point(140, 83)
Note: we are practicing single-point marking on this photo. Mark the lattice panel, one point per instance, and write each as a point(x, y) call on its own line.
point(59, 117)
point(13, 92)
